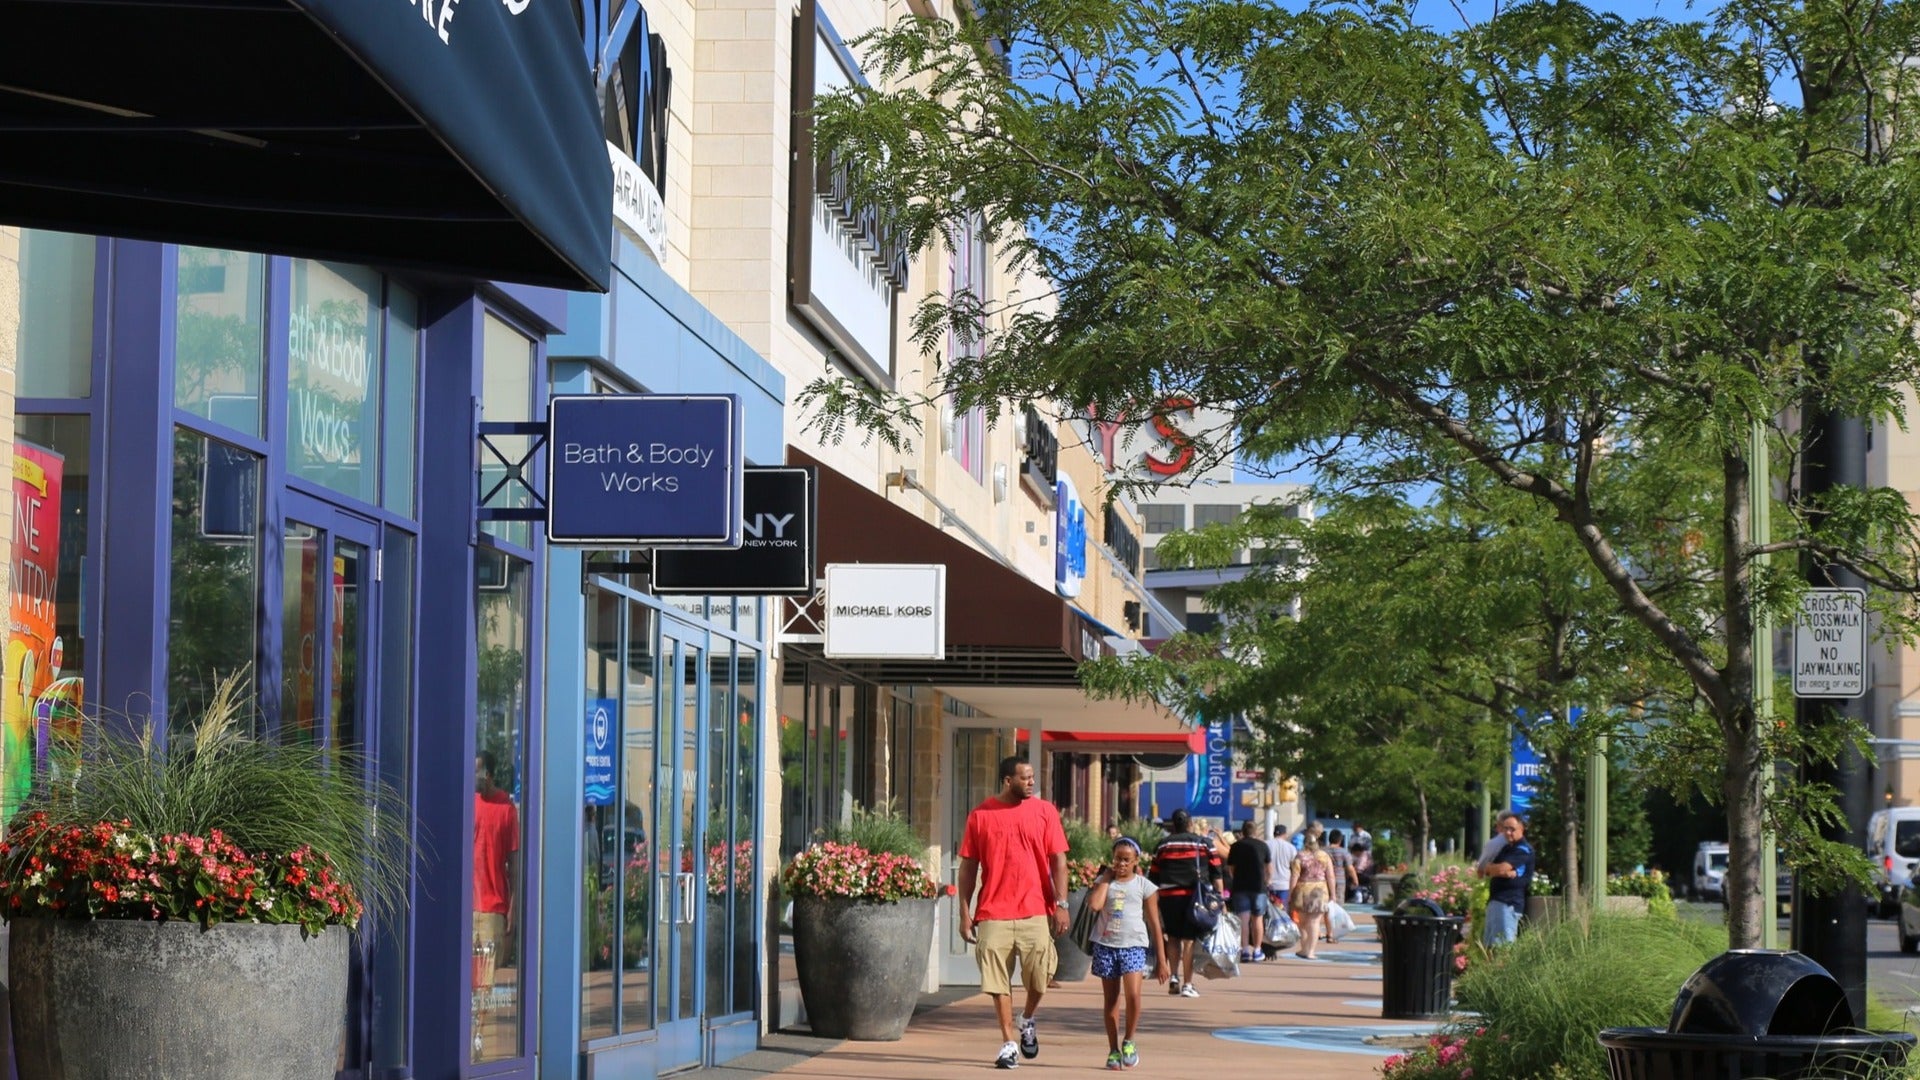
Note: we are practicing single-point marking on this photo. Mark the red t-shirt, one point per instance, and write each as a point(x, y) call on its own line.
point(1014, 846)
point(496, 835)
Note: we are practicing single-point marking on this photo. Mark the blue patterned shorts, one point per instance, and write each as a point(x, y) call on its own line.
point(1111, 963)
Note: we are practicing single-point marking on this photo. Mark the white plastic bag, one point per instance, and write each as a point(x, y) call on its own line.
point(1339, 923)
point(1282, 932)
point(1223, 948)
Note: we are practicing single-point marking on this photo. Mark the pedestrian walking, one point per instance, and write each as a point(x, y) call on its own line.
point(1283, 855)
point(1129, 923)
point(1343, 872)
point(1181, 864)
point(1250, 867)
point(1312, 892)
point(1507, 878)
point(1015, 850)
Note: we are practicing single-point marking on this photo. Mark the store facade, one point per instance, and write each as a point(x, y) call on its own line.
point(651, 866)
point(239, 465)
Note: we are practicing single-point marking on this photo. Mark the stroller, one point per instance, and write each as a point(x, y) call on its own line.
point(1363, 870)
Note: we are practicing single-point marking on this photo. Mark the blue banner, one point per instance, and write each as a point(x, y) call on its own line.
point(602, 725)
point(1528, 771)
point(1211, 774)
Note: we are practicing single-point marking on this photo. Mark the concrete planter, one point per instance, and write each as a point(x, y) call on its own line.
point(121, 998)
point(1070, 964)
point(1542, 910)
point(1384, 887)
point(861, 964)
point(1625, 905)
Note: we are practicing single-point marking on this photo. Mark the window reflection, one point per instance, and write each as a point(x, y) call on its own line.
point(55, 358)
point(214, 578)
point(333, 377)
point(218, 335)
point(504, 620)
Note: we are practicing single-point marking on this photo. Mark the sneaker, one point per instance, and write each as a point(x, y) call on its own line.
point(1009, 1057)
point(1189, 991)
point(1114, 1061)
point(1029, 1039)
point(1173, 985)
point(1129, 1054)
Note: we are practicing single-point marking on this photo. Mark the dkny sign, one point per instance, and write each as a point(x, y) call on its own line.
point(776, 552)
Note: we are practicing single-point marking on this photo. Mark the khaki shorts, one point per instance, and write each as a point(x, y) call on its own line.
point(998, 941)
point(489, 930)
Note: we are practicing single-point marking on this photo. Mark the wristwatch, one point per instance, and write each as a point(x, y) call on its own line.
point(1061, 904)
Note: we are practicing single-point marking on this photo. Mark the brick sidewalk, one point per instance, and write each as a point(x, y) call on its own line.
point(1179, 1037)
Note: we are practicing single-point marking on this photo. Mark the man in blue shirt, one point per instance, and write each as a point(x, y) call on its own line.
point(1507, 877)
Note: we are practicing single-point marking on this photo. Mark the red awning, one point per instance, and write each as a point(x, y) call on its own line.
point(1120, 742)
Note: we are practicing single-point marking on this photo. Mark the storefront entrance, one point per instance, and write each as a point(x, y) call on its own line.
point(330, 668)
point(680, 868)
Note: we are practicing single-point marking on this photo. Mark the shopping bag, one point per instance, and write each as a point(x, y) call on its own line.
point(1085, 921)
point(1339, 923)
point(1282, 932)
point(1223, 948)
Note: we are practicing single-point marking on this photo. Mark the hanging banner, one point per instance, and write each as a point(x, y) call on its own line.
point(34, 651)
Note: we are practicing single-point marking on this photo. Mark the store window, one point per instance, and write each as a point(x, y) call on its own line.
point(46, 647)
point(966, 337)
point(402, 391)
point(55, 357)
point(504, 607)
point(219, 335)
point(507, 357)
point(333, 378)
point(214, 578)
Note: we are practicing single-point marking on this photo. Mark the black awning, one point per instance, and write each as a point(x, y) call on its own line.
point(446, 135)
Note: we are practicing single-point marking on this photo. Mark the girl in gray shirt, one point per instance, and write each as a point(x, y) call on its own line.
point(1129, 923)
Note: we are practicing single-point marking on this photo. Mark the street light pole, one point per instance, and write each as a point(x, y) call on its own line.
point(1832, 929)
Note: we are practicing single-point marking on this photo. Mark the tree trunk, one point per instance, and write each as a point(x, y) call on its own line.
point(1562, 765)
point(1749, 899)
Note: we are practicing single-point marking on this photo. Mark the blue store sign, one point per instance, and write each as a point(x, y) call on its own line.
point(1070, 539)
point(1211, 774)
point(645, 470)
point(602, 730)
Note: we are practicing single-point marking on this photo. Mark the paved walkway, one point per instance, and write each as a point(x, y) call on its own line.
point(1308, 1019)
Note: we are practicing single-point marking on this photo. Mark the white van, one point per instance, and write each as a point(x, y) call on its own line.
point(1710, 871)
point(1893, 843)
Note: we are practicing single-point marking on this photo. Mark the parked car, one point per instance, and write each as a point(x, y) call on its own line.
point(1710, 871)
point(1893, 845)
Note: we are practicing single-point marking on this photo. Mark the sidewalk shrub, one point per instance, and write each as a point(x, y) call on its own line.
point(880, 829)
point(1087, 849)
point(1146, 833)
point(1544, 998)
point(1452, 887)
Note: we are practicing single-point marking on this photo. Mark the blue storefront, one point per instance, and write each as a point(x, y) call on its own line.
point(266, 466)
point(651, 862)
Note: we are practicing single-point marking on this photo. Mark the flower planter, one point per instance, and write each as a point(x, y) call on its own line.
point(1625, 905)
point(1544, 910)
point(861, 964)
point(1070, 964)
point(1384, 886)
point(124, 998)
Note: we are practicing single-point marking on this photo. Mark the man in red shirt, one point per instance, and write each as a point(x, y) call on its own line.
point(1016, 852)
point(496, 870)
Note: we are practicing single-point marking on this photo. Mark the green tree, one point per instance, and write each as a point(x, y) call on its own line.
point(1526, 247)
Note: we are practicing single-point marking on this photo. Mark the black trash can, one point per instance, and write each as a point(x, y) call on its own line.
point(1416, 959)
point(1749, 1014)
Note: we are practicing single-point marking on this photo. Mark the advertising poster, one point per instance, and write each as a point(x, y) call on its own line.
point(34, 651)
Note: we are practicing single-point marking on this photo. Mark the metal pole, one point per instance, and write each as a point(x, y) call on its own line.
point(1596, 868)
point(1832, 929)
point(1760, 531)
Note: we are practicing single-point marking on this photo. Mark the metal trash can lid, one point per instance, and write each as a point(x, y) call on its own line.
point(1420, 905)
point(1761, 992)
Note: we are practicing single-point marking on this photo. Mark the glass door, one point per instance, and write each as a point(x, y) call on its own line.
point(328, 671)
point(680, 865)
point(975, 753)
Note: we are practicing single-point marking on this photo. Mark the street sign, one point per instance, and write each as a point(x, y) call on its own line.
point(1830, 644)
